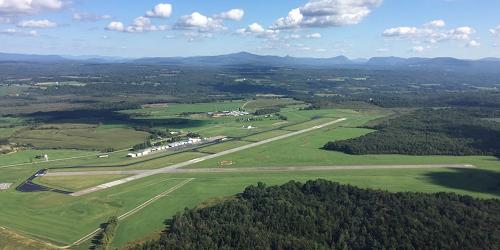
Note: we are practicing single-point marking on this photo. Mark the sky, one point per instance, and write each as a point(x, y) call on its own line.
point(302, 28)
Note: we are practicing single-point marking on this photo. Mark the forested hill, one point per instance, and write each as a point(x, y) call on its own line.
point(324, 215)
point(450, 131)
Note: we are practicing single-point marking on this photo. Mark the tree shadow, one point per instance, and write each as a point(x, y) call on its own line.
point(472, 180)
point(110, 117)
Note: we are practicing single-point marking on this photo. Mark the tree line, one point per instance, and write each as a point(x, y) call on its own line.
point(446, 131)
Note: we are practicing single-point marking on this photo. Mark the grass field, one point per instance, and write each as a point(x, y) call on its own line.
point(174, 109)
point(63, 219)
point(75, 183)
point(79, 136)
point(262, 103)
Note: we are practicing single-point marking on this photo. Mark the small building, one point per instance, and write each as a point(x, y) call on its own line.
point(104, 156)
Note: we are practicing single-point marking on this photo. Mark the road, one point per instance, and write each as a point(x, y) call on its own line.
point(200, 159)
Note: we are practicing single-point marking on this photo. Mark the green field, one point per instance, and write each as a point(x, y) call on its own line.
point(62, 219)
point(75, 183)
point(263, 103)
point(174, 109)
point(79, 136)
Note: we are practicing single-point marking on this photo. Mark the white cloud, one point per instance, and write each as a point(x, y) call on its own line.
point(473, 44)
point(383, 50)
point(314, 36)
point(431, 32)
point(116, 26)
point(16, 7)
point(90, 17)
point(197, 36)
point(417, 49)
point(327, 13)
point(199, 22)
point(401, 31)
point(293, 20)
point(259, 31)
point(139, 25)
point(495, 31)
point(435, 24)
point(37, 24)
point(234, 15)
point(162, 10)
point(461, 33)
point(143, 24)
point(15, 32)
point(255, 28)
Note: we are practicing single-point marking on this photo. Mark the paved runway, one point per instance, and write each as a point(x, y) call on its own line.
point(200, 159)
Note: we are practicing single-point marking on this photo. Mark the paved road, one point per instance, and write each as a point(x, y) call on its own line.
point(264, 169)
point(200, 159)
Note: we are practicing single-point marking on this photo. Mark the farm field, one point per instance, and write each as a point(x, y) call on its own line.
point(79, 136)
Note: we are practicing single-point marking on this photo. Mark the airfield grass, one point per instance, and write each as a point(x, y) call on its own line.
point(27, 156)
point(265, 135)
point(212, 149)
point(75, 183)
point(79, 136)
point(63, 219)
point(150, 221)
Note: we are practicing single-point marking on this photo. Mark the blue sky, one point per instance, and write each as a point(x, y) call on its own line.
point(313, 28)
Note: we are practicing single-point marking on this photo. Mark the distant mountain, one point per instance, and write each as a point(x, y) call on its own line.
point(490, 65)
point(485, 65)
point(245, 58)
point(97, 59)
point(8, 57)
point(490, 59)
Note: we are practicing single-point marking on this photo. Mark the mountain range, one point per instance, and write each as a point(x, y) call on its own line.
point(248, 59)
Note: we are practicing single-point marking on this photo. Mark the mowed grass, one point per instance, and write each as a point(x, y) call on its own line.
point(212, 149)
point(75, 183)
point(262, 103)
point(149, 222)
point(76, 216)
point(125, 163)
point(79, 136)
point(28, 156)
point(63, 219)
point(265, 135)
point(174, 109)
point(306, 150)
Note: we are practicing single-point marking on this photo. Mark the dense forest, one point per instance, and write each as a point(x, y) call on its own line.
point(324, 215)
point(446, 131)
